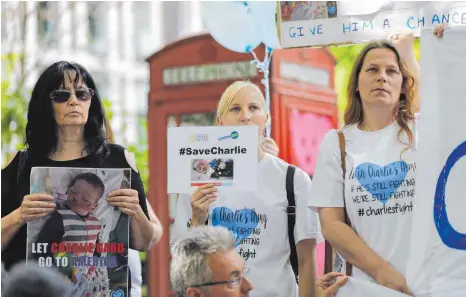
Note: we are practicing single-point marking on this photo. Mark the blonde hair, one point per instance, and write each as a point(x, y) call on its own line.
point(230, 93)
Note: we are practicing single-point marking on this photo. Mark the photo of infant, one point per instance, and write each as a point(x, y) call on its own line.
point(307, 10)
point(215, 169)
point(82, 229)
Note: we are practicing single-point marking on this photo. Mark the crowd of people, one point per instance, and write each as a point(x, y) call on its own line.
point(66, 128)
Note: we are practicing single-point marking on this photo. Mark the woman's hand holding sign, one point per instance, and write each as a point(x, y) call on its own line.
point(200, 201)
point(35, 206)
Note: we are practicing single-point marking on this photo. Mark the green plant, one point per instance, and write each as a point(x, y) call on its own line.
point(14, 103)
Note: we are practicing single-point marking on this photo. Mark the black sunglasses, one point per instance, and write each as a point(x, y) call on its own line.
point(62, 95)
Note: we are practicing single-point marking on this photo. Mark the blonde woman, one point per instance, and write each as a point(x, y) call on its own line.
point(258, 219)
point(379, 145)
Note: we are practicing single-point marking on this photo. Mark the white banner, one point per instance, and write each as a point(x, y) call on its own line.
point(317, 23)
point(225, 156)
point(437, 264)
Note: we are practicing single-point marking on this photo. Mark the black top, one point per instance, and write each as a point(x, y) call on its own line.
point(13, 193)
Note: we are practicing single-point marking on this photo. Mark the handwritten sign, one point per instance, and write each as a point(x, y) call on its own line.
point(437, 263)
point(317, 23)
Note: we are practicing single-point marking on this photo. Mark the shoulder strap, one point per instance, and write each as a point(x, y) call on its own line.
point(329, 254)
point(342, 143)
point(291, 212)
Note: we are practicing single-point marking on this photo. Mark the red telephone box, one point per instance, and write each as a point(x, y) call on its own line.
point(304, 103)
point(187, 79)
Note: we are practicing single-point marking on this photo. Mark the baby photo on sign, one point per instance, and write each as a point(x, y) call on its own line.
point(307, 10)
point(84, 238)
point(214, 169)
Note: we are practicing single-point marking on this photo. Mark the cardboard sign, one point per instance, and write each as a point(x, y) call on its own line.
point(319, 23)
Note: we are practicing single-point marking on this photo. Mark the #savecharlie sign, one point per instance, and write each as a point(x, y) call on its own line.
point(437, 264)
point(315, 23)
point(225, 156)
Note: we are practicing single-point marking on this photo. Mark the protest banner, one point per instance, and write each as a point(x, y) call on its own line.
point(84, 238)
point(220, 155)
point(437, 265)
point(320, 23)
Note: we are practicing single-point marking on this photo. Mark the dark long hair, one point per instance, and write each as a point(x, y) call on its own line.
point(41, 128)
point(404, 113)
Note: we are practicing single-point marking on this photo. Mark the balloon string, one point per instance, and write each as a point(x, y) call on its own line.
point(263, 66)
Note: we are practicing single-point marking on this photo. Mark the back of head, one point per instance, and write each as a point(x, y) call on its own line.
point(189, 265)
point(34, 281)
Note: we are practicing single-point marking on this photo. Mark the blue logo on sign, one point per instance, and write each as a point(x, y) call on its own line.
point(233, 135)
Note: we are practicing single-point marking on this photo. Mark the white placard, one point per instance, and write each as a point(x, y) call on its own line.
point(360, 22)
point(437, 266)
point(225, 156)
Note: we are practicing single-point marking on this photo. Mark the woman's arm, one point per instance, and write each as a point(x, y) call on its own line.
point(305, 250)
point(158, 228)
point(306, 232)
point(142, 231)
point(10, 226)
point(404, 43)
point(33, 207)
point(343, 238)
point(355, 251)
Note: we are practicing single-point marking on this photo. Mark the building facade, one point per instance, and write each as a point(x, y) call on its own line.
point(111, 39)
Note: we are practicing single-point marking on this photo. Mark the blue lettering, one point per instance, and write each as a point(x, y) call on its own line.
point(435, 18)
point(450, 237)
point(386, 23)
point(421, 20)
point(317, 28)
point(293, 35)
point(367, 24)
point(446, 19)
point(408, 24)
point(300, 32)
point(355, 27)
point(346, 28)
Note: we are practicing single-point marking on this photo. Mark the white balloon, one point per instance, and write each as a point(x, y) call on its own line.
point(231, 25)
point(264, 18)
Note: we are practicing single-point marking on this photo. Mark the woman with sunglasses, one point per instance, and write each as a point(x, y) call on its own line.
point(65, 128)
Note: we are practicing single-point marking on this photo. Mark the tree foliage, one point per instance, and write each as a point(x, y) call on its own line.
point(14, 103)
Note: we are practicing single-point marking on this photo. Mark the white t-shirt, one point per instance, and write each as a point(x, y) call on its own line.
point(379, 188)
point(260, 222)
point(135, 266)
